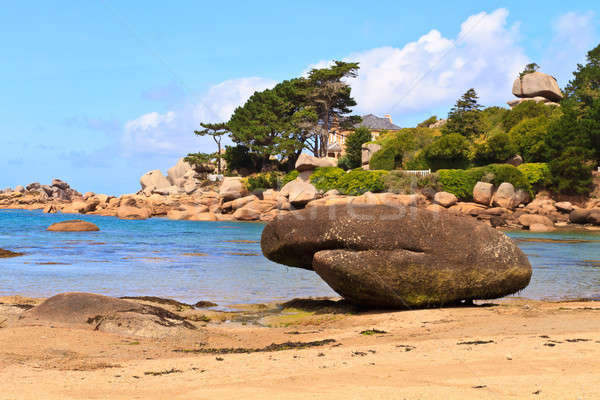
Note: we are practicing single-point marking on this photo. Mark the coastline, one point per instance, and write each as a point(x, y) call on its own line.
point(507, 348)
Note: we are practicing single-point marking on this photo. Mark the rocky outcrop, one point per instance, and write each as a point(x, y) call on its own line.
point(231, 188)
point(389, 257)
point(537, 84)
point(538, 87)
point(75, 225)
point(309, 163)
point(585, 216)
point(153, 180)
point(108, 314)
point(300, 191)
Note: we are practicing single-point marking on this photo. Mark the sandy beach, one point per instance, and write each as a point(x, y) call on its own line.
point(314, 349)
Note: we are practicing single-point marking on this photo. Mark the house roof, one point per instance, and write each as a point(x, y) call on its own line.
point(371, 121)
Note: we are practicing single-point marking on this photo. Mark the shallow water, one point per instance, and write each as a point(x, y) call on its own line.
point(221, 261)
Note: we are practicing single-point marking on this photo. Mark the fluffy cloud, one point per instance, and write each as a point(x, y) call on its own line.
point(574, 35)
point(171, 133)
point(434, 70)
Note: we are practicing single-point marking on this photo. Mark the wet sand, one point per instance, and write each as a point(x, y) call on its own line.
point(517, 349)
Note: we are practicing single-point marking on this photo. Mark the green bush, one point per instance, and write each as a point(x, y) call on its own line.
point(402, 183)
point(497, 148)
point(359, 181)
point(326, 178)
point(527, 109)
point(449, 151)
point(572, 172)
point(269, 180)
point(537, 175)
point(461, 182)
point(398, 147)
point(384, 159)
point(290, 176)
point(344, 163)
point(353, 146)
point(529, 137)
point(431, 120)
point(415, 161)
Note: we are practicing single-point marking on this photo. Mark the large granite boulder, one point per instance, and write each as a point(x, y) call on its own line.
point(154, 180)
point(108, 314)
point(308, 163)
point(231, 188)
point(506, 196)
point(300, 191)
point(74, 225)
point(537, 84)
point(483, 192)
point(398, 257)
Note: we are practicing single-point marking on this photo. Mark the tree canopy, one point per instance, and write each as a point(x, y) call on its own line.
point(464, 118)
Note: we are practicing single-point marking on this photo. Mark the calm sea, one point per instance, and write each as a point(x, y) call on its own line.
point(221, 261)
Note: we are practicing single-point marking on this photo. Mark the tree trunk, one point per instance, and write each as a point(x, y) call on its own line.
point(218, 156)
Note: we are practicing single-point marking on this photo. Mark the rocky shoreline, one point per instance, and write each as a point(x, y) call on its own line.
point(182, 196)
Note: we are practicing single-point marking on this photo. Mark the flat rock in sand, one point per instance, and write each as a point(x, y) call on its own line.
point(107, 314)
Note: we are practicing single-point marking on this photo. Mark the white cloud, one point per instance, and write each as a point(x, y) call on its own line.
point(435, 70)
point(171, 133)
point(574, 35)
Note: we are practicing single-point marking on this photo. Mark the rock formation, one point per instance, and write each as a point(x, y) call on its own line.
point(538, 87)
point(398, 256)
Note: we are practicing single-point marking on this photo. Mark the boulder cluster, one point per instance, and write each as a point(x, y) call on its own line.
point(538, 87)
point(398, 257)
point(229, 200)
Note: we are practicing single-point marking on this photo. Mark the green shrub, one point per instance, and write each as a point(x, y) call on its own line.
point(290, 176)
point(353, 146)
point(537, 174)
point(449, 151)
point(269, 180)
point(507, 173)
point(415, 161)
point(529, 137)
point(572, 172)
point(496, 148)
point(326, 178)
point(359, 181)
point(345, 163)
point(383, 159)
point(402, 183)
point(431, 120)
point(398, 147)
point(461, 182)
point(527, 109)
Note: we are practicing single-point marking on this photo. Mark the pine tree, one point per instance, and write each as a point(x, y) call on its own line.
point(464, 118)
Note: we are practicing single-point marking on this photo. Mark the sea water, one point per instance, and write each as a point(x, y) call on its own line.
point(222, 261)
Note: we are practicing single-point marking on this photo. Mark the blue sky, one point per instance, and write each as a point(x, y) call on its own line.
point(99, 92)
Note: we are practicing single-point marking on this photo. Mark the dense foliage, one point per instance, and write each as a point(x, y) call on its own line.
point(402, 149)
point(461, 182)
point(449, 151)
point(359, 181)
point(268, 180)
point(402, 183)
point(326, 178)
point(465, 117)
point(354, 142)
point(290, 176)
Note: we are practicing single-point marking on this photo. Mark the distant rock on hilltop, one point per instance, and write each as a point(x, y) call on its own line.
point(538, 87)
